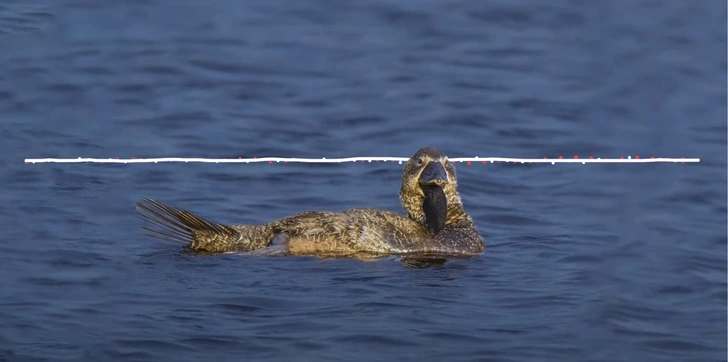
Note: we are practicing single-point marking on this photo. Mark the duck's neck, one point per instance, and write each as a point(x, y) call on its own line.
point(436, 210)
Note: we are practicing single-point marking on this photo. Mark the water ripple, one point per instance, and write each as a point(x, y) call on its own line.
point(599, 262)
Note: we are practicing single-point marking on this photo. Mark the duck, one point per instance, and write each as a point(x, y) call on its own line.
point(436, 224)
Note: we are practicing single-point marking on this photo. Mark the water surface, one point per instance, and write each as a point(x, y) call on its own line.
point(601, 262)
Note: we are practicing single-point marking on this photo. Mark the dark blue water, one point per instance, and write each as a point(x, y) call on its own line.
point(599, 262)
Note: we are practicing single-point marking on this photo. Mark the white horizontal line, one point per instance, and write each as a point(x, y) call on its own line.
point(358, 159)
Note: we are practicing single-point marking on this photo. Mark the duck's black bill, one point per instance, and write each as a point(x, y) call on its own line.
point(433, 174)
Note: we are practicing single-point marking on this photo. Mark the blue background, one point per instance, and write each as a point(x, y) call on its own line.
point(600, 262)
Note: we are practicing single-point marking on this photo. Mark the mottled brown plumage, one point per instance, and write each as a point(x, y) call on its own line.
point(436, 223)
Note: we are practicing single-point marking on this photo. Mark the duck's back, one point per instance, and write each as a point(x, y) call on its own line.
point(374, 231)
point(354, 231)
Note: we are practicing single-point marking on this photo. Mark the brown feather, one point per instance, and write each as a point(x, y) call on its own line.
point(361, 232)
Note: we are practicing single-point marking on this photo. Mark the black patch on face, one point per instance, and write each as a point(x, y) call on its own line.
point(435, 208)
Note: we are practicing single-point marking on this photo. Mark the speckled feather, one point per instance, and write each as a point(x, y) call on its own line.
point(354, 232)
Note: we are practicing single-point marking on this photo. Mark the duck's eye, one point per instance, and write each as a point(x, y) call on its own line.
point(420, 162)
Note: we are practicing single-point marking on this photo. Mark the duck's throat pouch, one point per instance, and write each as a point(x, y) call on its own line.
point(435, 208)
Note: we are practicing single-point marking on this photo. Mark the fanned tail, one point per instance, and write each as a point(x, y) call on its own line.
point(172, 224)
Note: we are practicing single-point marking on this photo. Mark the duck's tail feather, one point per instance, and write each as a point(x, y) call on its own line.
point(172, 224)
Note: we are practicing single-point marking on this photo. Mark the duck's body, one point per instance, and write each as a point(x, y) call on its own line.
point(436, 223)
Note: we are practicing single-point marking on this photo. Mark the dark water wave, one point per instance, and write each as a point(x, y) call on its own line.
point(583, 262)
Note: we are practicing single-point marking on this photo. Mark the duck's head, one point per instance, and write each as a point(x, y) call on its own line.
point(429, 191)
